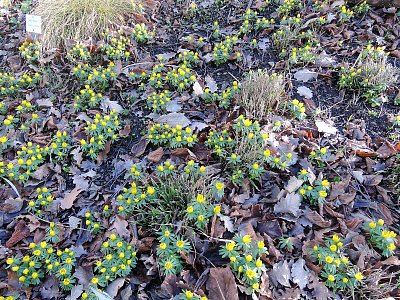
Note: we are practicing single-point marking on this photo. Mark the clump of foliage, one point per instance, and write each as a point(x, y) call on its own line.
point(222, 99)
point(381, 238)
point(338, 272)
point(11, 86)
point(222, 51)
point(30, 51)
point(87, 98)
point(103, 130)
point(171, 137)
point(371, 74)
point(245, 259)
point(245, 150)
point(141, 34)
point(65, 20)
point(115, 46)
point(44, 260)
point(260, 93)
point(169, 249)
point(315, 192)
point(171, 195)
point(119, 259)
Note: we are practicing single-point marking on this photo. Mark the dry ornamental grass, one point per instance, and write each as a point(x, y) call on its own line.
point(65, 20)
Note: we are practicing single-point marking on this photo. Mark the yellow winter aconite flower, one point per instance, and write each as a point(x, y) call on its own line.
point(230, 246)
point(329, 259)
point(246, 239)
point(358, 276)
point(219, 186)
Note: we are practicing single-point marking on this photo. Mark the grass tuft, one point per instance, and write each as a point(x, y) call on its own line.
point(65, 20)
point(261, 93)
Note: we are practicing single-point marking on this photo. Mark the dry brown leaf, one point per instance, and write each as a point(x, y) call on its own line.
point(69, 198)
point(21, 231)
point(120, 226)
point(156, 155)
point(317, 219)
point(221, 285)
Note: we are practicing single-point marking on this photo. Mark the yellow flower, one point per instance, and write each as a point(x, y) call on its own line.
point(381, 222)
point(95, 280)
point(331, 278)
point(168, 265)
point(189, 294)
point(246, 239)
point(200, 198)
point(385, 234)
point(329, 259)
point(325, 183)
point(323, 194)
point(249, 258)
point(219, 186)
point(255, 286)
point(358, 276)
point(180, 244)
point(230, 246)
point(333, 248)
point(345, 280)
point(391, 247)
point(217, 209)
point(250, 274)
point(190, 209)
point(372, 225)
point(260, 244)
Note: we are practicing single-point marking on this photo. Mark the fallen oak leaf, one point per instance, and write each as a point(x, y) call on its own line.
point(317, 219)
point(69, 198)
point(21, 231)
point(221, 285)
point(156, 155)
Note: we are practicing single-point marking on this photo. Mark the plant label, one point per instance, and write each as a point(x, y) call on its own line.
point(33, 24)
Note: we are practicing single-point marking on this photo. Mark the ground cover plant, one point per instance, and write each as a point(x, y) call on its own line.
point(200, 150)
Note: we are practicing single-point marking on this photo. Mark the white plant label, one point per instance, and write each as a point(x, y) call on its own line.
point(33, 24)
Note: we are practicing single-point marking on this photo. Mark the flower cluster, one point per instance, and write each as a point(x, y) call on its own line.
point(169, 249)
point(223, 50)
point(172, 137)
point(372, 75)
point(300, 56)
point(222, 99)
point(181, 78)
point(289, 6)
point(44, 198)
point(189, 58)
point(28, 160)
point(102, 130)
point(297, 109)
point(9, 85)
point(115, 47)
point(79, 53)
point(245, 259)
point(135, 197)
point(98, 77)
point(44, 259)
point(381, 238)
point(244, 150)
point(339, 273)
point(60, 146)
point(87, 98)
point(345, 13)
point(119, 260)
point(53, 233)
point(158, 101)
point(141, 34)
point(199, 210)
point(30, 51)
point(362, 8)
point(92, 224)
point(316, 192)
point(319, 156)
